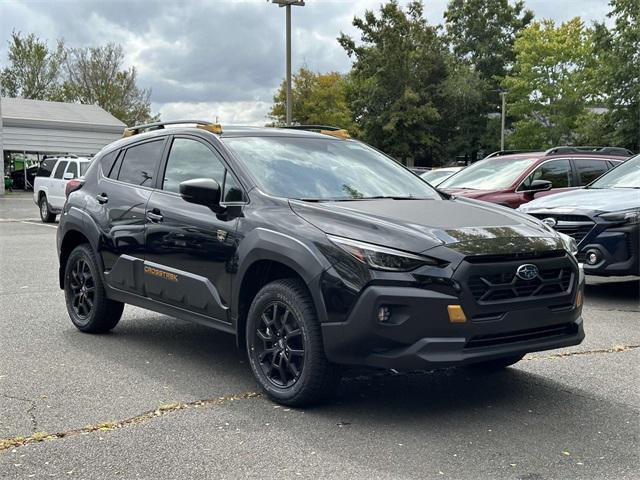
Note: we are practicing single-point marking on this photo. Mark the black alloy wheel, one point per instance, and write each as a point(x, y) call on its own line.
point(280, 345)
point(82, 288)
point(89, 308)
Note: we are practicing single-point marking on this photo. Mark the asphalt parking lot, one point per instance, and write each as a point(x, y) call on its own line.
point(160, 398)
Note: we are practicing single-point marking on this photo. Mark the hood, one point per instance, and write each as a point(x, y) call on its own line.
point(419, 225)
point(586, 200)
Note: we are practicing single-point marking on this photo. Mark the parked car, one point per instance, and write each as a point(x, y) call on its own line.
point(438, 175)
point(603, 218)
point(315, 252)
point(514, 179)
point(50, 182)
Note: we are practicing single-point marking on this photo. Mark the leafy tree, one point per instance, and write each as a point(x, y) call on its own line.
point(483, 32)
point(97, 76)
point(34, 69)
point(616, 73)
point(318, 99)
point(550, 86)
point(395, 88)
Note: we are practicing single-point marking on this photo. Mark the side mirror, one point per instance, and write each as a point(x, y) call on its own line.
point(68, 176)
point(203, 191)
point(540, 186)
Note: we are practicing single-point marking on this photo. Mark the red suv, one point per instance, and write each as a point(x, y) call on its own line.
point(512, 178)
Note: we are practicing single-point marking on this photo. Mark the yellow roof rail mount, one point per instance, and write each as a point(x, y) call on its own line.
point(148, 127)
point(324, 129)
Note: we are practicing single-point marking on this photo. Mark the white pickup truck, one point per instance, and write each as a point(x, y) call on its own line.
point(51, 180)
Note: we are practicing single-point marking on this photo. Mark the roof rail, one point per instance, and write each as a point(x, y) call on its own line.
point(204, 124)
point(593, 150)
point(324, 129)
point(500, 153)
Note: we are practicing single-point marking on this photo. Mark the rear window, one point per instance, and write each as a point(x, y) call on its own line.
point(46, 167)
point(60, 169)
point(589, 170)
point(140, 163)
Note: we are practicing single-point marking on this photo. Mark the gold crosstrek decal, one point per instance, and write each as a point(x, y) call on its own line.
point(161, 273)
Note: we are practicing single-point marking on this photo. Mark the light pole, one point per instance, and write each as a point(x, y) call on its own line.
point(503, 112)
point(288, 4)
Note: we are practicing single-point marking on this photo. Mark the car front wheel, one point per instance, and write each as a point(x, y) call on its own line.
point(285, 348)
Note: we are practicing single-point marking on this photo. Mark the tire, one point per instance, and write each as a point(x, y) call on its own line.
point(495, 365)
point(283, 337)
point(88, 306)
point(46, 215)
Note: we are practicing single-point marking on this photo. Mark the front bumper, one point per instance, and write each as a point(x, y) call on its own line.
point(617, 250)
point(419, 334)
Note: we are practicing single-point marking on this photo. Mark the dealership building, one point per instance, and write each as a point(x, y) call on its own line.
point(33, 129)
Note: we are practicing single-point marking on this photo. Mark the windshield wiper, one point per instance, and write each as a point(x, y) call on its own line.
point(393, 197)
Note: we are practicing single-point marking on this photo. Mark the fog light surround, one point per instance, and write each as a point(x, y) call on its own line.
point(592, 257)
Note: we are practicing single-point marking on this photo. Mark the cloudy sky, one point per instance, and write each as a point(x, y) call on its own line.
point(221, 58)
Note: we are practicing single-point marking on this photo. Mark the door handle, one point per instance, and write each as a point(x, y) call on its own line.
point(154, 216)
point(102, 198)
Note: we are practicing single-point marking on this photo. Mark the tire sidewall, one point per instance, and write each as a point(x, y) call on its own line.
point(82, 252)
point(269, 294)
point(43, 201)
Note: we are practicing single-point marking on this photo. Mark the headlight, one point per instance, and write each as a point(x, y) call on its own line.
point(381, 258)
point(569, 243)
point(631, 216)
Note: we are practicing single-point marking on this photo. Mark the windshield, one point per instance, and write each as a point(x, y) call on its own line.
point(490, 174)
point(325, 169)
point(627, 175)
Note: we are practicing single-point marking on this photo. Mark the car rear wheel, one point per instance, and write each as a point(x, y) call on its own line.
point(285, 348)
point(88, 306)
point(495, 365)
point(46, 215)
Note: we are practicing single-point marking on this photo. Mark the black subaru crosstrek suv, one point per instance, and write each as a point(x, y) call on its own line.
point(315, 250)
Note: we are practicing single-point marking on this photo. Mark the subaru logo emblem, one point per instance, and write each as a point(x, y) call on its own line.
point(550, 222)
point(527, 271)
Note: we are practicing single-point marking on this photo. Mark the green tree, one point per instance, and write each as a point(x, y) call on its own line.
point(318, 99)
point(551, 83)
point(34, 69)
point(97, 76)
point(482, 32)
point(616, 73)
point(395, 88)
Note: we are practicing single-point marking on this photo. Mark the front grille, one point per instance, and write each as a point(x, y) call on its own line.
point(576, 226)
point(509, 257)
point(495, 339)
point(508, 286)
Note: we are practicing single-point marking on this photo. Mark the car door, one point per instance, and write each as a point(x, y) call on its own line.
point(125, 183)
point(56, 187)
point(557, 171)
point(190, 248)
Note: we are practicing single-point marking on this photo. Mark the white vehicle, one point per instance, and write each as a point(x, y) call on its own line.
point(438, 175)
point(51, 180)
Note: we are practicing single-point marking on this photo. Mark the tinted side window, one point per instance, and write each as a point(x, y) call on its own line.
point(558, 172)
point(73, 168)
point(190, 159)
point(46, 167)
point(140, 163)
point(107, 161)
point(60, 169)
point(589, 170)
point(232, 190)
